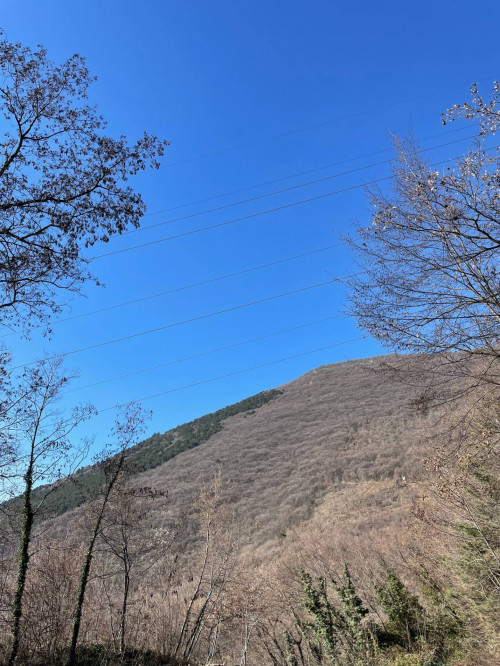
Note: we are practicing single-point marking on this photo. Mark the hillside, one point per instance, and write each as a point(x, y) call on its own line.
point(336, 425)
point(281, 452)
point(150, 453)
point(315, 473)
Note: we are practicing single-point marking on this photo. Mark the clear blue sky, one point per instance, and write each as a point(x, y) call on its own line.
point(247, 93)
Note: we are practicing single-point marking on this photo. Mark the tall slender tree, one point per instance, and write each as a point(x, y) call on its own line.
point(128, 537)
point(44, 455)
point(129, 425)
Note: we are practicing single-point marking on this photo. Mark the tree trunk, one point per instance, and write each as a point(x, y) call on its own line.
point(126, 588)
point(194, 596)
point(77, 618)
point(17, 607)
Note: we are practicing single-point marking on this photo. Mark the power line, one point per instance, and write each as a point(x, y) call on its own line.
point(185, 287)
point(254, 215)
point(179, 323)
point(205, 353)
point(228, 309)
point(238, 219)
point(294, 175)
point(317, 125)
point(237, 372)
point(286, 189)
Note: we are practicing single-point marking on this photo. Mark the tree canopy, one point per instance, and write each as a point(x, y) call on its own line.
point(430, 278)
point(63, 180)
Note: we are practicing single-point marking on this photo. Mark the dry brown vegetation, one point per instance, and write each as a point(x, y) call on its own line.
point(326, 472)
point(343, 520)
point(335, 425)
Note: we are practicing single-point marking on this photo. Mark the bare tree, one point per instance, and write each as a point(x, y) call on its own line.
point(129, 538)
point(486, 112)
point(217, 562)
point(62, 180)
point(430, 279)
point(250, 621)
point(430, 284)
point(129, 425)
point(464, 479)
point(44, 454)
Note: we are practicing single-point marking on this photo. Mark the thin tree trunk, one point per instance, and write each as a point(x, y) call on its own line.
point(212, 642)
point(77, 618)
point(191, 642)
point(196, 592)
point(126, 587)
point(17, 607)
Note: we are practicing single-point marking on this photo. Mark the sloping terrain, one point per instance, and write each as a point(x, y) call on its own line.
point(319, 472)
point(329, 431)
point(336, 425)
point(152, 452)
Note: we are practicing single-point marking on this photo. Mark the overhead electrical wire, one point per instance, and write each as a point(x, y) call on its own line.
point(179, 323)
point(205, 353)
point(236, 307)
point(286, 189)
point(234, 220)
point(234, 274)
point(317, 125)
point(254, 215)
point(228, 309)
point(296, 174)
point(240, 272)
point(237, 372)
point(185, 287)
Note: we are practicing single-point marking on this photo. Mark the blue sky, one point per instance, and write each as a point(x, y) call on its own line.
point(250, 95)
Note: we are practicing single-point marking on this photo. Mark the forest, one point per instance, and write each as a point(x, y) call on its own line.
point(347, 518)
